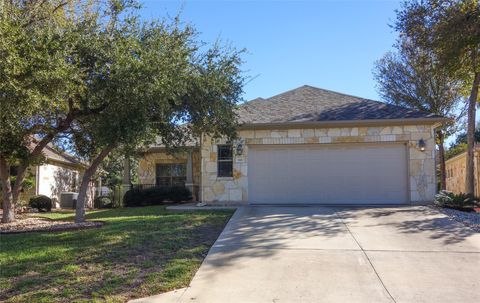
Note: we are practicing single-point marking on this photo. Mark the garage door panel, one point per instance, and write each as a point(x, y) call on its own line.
point(334, 174)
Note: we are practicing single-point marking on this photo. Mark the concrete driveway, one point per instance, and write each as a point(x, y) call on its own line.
point(327, 254)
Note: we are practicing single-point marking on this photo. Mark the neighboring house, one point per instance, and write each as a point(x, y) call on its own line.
point(60, 172)
point(309, 146)
point(455, 171)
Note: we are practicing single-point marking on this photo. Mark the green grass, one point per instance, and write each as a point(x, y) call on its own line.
point(138, 252)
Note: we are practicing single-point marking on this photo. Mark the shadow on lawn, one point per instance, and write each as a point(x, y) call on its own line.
point(118, 259)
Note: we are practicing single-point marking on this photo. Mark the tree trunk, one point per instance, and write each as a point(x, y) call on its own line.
point(82, 194)
point(7, 198)
point(472, 103)
point(441, 154)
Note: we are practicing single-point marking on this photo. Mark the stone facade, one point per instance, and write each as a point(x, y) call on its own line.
point(234, 190)
point(455, 171)
point(147, 164)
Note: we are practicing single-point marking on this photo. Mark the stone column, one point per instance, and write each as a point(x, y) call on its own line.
point(189, 181)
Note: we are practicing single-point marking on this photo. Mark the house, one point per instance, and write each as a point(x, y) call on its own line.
point(455, 172)
point(60, 172)
point(309, 146)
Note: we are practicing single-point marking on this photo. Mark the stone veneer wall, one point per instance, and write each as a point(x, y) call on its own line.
point(147, 164)
point(234, 190)
point(456, 174)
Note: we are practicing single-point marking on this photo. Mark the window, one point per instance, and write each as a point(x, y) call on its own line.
point(174, 174)
point(225, 161)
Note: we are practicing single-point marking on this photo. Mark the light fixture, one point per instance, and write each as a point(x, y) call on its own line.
point(239, 148)
point(421, 145)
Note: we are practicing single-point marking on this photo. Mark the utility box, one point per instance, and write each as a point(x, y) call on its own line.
point(68, 199)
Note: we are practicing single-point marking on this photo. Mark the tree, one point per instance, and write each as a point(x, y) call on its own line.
point(37, 85)
point(157, 82)
point(460, 144)
point(451, 28)
point(54, 58)
point(412, 78)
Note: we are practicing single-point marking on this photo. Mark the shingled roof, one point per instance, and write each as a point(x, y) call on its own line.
point(312, 104)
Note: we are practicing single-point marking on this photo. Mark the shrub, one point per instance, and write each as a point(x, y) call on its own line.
point(461, 201)
point(102, 202)
point(41, 202)
point(156, 196)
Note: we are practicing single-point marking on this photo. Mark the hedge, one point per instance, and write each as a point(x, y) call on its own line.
point(40, 202)
point(156, 196)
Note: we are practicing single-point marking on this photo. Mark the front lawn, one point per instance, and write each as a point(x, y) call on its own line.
point(138, 252)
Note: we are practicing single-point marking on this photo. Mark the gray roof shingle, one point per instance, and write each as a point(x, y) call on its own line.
point(311, 104)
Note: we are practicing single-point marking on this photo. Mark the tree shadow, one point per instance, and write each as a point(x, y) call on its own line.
point(260, 232)
point(416, 220)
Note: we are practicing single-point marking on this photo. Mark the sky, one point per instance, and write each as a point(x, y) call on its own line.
point(327, 44)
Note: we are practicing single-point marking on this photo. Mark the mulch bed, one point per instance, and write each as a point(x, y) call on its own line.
point(26, 223)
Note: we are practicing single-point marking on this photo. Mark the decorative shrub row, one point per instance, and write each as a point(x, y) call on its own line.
point(40, 202)
point(464, 202)
point(156, 196)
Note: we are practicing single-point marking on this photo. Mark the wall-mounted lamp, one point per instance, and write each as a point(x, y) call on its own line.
point(421, 145)
point(239, 148)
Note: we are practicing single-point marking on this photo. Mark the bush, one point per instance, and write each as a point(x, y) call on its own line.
point(156, 196)
point(102, 202)
point(41, 202)
point(461, 201)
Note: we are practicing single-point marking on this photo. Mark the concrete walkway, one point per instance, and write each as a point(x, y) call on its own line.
point(325, 254)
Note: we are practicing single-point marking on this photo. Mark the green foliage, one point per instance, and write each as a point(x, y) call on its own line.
point(461, 201)
point(156, 195)
point(36, 80)
point(41, 202)
point(450, 27)
point(460, 144)
point(102, 202)
point(455, 150)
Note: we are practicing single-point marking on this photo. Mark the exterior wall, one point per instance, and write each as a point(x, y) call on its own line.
point(455, 169)
point(54, 179)
point(147, 164)
point(422, 179)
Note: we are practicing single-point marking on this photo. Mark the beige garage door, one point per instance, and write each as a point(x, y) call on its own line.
point(327, 174)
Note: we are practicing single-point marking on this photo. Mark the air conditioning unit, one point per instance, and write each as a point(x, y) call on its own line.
point(68, 199)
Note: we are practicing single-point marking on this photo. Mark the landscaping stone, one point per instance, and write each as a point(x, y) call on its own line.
point(471, 219)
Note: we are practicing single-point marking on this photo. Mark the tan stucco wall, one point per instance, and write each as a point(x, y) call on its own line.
point(55, 178)
point(422, 181)
point(455, 170)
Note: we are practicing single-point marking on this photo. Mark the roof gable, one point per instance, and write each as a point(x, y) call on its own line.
point(311, 104)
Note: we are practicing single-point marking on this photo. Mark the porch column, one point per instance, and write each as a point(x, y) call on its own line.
point(189, 181)
point(126, 177)
point(126, 171)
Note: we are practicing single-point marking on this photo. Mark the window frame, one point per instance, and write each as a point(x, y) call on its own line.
point(170, 176)
point(226, 160)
